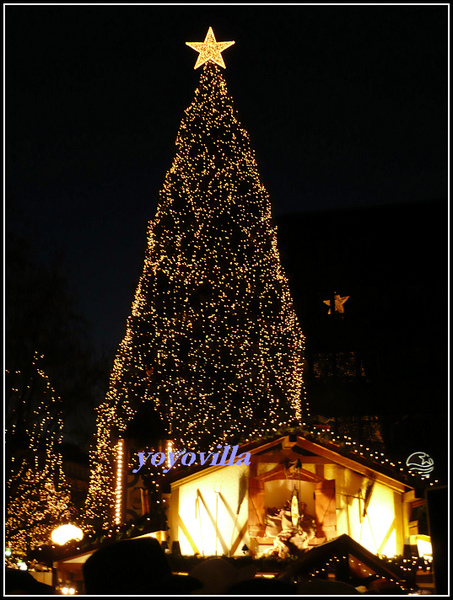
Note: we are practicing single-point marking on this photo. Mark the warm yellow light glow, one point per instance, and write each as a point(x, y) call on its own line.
point(167, 452)
point(119, 483)
point(214, 527)
point(209, 50)
point(424, 546)
point(63, 534)
point(377, 528)
point(68, 591)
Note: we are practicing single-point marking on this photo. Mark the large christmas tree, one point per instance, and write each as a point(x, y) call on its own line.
point(213, 340)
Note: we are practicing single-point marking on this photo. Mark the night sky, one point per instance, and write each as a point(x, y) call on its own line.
point(346, 106)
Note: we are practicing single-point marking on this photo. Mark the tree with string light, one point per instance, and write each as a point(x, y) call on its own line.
point(213, 341)
point(37, 494)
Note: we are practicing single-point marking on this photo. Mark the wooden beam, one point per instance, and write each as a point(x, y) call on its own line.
point(187, 535)
point(279, 472)
point(349, 463)
point(213, 523)
point(260, 449)
point(319, 470)
point(279, 469)
point(294, 477)
point(314, 460)
point(290, 454)
point(257, 511)
point(238, 539)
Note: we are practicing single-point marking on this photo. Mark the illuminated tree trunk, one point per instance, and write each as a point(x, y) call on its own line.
point(213, 339)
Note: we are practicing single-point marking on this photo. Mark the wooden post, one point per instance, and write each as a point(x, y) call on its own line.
point(325, 509)
point(257, 526)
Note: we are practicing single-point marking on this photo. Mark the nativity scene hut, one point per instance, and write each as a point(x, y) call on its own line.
point(294, 494)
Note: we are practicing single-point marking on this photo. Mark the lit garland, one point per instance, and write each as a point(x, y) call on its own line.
point(119, 482)
point(331, 565)
point(362, 453)
point(365, 454)
point(213, 340)
point(38, 494)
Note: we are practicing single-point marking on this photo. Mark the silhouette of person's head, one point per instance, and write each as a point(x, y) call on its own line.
point(137, 566)
point(24, 584)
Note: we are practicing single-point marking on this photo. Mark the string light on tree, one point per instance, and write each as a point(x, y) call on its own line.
point(38, 496)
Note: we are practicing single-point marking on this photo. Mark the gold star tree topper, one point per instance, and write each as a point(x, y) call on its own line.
point(339, 301)
point(210, 50)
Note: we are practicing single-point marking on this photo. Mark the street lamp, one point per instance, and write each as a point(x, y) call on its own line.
point(65, 533)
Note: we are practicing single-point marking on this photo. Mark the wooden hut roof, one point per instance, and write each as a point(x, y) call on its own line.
point(297, 446)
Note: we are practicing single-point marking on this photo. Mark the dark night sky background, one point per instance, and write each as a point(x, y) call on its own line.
point(346, 106)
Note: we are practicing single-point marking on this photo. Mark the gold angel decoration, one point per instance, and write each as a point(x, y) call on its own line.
point(339, 302)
